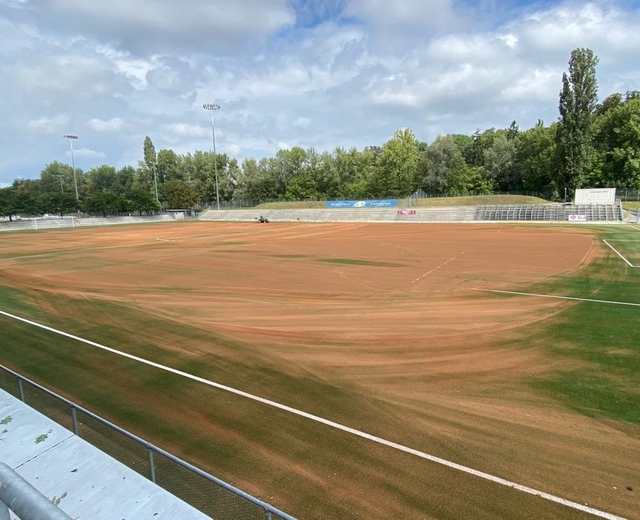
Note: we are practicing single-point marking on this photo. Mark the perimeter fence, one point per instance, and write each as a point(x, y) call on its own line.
point(205, 492)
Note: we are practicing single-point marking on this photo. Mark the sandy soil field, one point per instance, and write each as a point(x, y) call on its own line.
point(393, 318)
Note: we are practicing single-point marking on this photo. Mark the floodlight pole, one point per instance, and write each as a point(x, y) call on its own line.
point(212, 107)
point(73, 164)
point(155, 179)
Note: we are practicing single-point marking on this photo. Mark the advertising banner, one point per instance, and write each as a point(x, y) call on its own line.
point(361, 204)
point(577, 218)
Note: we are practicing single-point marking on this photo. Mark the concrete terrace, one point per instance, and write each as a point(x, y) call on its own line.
point(85, 482)
point(448, 214)
point(600, 213)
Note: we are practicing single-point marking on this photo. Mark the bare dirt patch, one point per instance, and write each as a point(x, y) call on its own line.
point(385, 313)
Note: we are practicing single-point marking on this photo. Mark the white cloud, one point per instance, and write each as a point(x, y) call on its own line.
point(287, 73)
point(86, 153)
point(233, 149)
point(302, 122)
point(509, 39)
point(402, 13)
point(49, 125)
point(112, 125)
point(534, 84)
point(159, 25)
point(600, 26)
point(186, 130)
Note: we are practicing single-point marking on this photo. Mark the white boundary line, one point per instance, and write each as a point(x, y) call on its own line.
point(358, 433)
point(557, 297)
point(617, 253)
point(436, 268)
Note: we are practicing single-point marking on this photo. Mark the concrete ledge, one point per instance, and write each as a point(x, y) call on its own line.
point(85, 482)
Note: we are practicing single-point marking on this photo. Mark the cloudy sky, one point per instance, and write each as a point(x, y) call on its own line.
point(313, 73)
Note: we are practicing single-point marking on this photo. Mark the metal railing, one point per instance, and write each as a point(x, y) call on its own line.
point(194, 486)
point(23, 499)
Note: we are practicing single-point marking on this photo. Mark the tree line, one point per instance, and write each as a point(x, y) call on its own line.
point(590, 145)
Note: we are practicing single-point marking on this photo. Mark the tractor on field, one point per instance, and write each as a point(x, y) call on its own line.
point(263, 220)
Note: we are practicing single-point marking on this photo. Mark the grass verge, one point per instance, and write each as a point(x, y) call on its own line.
point(604, 339)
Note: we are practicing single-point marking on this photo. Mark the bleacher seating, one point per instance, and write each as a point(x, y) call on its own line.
point(550, 212)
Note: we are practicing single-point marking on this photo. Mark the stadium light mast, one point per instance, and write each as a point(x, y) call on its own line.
point(212, 107)
point(73, 164)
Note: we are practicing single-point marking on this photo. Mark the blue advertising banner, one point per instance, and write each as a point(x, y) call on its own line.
point(361, 204)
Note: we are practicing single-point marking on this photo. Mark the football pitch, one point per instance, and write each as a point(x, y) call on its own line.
point(352, 370)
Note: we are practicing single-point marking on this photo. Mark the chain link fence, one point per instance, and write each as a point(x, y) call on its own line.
point(205, 492)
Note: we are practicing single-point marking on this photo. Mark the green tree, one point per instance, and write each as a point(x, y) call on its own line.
point(168, 166)
point(102, 203)
point(57, 177)
point(125, 179)
point(481, 142)
point(353, 171)
point(257, 182)
point(435, 165)
point(58, 203)
point(465, 145)
point(499, 163)
point(326, 176)
point(140, 200)
point(578, 101)
point(101, 179)
point(8, 202)
point(534, 160)
point(180, 194)
point(302, 187)
point(617, 139)
point(396, 174)
point(148, 175)
point(33, 186)
point(612, 101)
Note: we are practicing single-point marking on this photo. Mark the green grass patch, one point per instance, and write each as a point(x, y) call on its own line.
point(594, 395)
point(478, 200)
point(355, 261)
point(422, 203)
point(603, 338)
point(628, 247)
point(298, 204)
point(632, 205)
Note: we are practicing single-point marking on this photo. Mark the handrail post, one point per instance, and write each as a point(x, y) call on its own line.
point(152, 467)
point(74, 419)
point(21, 390)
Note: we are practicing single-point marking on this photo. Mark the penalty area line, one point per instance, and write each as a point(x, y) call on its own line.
point(617, 253)
point(436, 268)
point(557, 297)
point(332, 424)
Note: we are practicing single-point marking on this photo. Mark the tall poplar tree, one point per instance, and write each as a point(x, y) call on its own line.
point(578, 101)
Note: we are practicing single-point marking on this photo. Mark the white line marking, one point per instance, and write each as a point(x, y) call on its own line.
point(435, 268)
point(557, 297)
point(338, 426)
point(616, 252)
point(634, 227)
